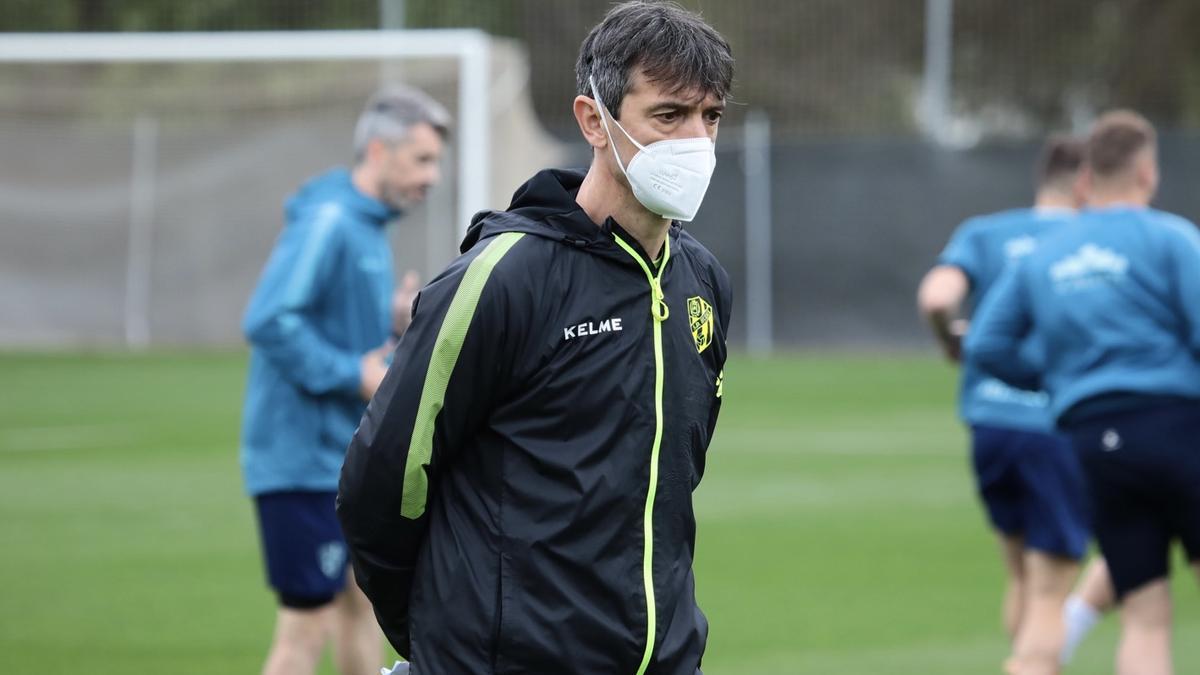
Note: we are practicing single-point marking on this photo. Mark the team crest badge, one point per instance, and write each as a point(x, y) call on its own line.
point(701, 319)
point(331, 556)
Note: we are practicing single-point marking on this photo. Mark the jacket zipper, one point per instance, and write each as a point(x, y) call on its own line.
point(659, 311)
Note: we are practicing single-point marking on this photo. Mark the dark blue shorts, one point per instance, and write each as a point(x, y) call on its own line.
point(1032, 486)
point(1143, 474)
point(303, 546)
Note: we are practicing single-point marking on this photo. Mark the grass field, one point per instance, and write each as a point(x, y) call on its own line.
point(838, 529)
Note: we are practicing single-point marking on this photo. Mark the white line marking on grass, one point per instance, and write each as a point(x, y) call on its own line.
point(77, 437)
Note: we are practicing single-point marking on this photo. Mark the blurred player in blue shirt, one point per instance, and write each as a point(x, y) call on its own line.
point(1027, 476)
point(317, 325)
point(1114, 299)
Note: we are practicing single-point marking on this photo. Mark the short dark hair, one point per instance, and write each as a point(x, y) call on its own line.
point(1061, 159)
point(1115, 141)
point(667, 42)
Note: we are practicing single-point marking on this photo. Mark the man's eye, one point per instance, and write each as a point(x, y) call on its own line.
point(667, 116)
point(713, 117)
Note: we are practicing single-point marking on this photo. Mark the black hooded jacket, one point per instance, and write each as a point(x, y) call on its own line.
point(518, 496)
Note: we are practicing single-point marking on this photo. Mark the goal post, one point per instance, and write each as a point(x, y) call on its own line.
point(468, 47)
point(143, 172)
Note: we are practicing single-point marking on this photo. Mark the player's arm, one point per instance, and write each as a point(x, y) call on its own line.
point(945, 288)
point(402, 303)
point(277, 321)
point(999, 329)
point(448, 371)
point(1184, 255)
point(940, 299)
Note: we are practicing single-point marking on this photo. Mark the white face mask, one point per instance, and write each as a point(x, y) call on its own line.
point(668, 177)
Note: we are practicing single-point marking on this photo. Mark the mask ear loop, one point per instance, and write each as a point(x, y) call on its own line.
point(604, 121)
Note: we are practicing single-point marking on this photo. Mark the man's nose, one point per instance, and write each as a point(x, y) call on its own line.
point(694, 127)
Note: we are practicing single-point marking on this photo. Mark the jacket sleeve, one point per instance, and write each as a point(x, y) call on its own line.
point(724, 313)
point(447, 373)
point(278, 321)
point(996, 339)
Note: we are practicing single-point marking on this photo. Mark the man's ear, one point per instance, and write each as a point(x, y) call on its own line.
point(587, 115)
point(373, 151)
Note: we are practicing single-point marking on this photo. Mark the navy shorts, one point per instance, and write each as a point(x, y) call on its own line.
point(1032, 486)
point(303, 546)
point(1143, 473)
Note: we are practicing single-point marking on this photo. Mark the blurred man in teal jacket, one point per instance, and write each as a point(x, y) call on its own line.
point(317, 324)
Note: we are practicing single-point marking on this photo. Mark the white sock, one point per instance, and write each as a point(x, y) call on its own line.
point(1079, 618)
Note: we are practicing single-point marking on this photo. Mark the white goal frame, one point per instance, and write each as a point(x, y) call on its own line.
point(470, 48)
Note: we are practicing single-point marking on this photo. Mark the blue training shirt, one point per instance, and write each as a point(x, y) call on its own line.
point(323, 300)
point(1113, 298)
point(983, 247)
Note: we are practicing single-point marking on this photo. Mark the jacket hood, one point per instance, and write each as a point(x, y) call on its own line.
point(335, 186)
point(545, 206)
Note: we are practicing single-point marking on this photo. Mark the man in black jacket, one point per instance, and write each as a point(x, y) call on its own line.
point(518, 496)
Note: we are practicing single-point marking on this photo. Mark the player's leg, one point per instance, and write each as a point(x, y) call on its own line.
point(306, 560)
point(300, 637)
point(1054, 503)
point(1012, 551)
point(1095, 588)
point(992, 460)
point(1048, 580)
point(1093, 597)
point(1187, 496)
point(1163, 444)
point(1129, 485)
point(357, 640)
point(1145, 647)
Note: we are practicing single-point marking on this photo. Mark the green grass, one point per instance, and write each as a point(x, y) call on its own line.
point(838, 529)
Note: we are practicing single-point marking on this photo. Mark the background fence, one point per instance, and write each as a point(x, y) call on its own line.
point(862, 198)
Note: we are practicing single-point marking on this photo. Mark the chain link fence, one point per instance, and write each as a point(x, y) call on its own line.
point(818, 67)
point(862, 199)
